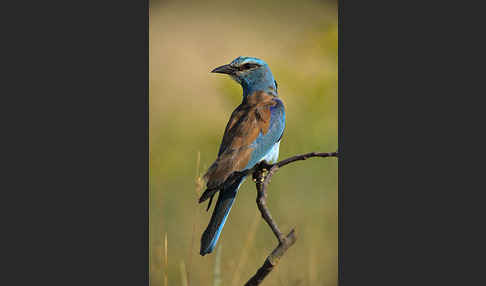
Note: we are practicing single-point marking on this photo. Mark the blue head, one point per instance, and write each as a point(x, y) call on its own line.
point(253, 74)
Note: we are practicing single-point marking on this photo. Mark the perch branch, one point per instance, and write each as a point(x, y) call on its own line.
point(208, 193)
point(284, 242)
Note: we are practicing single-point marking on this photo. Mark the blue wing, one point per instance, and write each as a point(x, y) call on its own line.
point(265, 143)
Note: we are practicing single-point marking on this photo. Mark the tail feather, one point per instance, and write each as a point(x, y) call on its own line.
point(221, 211)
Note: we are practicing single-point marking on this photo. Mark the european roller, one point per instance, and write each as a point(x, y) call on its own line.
point(252, 135)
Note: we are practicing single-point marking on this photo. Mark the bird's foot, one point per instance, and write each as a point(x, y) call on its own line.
point(259, 176)
point(256, 176)
point(263, 175)
point(262, 170)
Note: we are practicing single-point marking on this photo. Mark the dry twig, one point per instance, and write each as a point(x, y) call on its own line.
point(284, 242)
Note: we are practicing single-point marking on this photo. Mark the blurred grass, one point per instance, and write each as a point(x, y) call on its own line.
point(189, 109)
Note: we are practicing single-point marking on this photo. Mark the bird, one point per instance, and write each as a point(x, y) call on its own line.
point(252, 135)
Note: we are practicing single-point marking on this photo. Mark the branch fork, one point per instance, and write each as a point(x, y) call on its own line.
point(262, 174)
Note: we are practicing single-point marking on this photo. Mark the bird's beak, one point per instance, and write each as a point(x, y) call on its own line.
point(226, 69)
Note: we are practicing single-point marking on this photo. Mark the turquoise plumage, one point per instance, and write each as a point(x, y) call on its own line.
point(252, 135)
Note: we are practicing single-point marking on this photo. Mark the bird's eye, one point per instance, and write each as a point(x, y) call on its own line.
point(247, 66)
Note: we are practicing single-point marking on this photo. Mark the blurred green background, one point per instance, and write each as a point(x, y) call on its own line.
point(189, 109)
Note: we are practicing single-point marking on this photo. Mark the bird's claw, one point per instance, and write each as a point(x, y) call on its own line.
point(264, 174)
